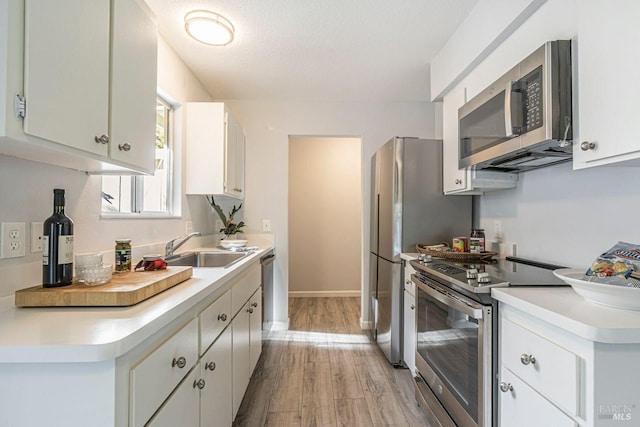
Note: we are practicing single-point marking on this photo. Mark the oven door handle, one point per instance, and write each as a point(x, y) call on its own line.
point(473, 310)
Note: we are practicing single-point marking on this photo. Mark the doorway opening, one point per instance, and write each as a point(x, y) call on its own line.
point(325, 216)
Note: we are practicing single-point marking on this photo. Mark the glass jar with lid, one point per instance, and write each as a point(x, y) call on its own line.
point(123, 255)
point(477, 241)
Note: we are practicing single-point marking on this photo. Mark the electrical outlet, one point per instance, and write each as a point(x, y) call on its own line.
point(36, 236)
point(266, 225)
point(188, 227)
point(12, 239)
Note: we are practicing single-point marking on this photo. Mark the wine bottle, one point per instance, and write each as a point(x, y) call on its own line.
point(57, 245)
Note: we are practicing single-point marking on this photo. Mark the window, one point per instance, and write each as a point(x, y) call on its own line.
point(146, 195)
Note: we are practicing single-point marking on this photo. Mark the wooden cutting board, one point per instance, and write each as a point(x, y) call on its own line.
point(125, 289)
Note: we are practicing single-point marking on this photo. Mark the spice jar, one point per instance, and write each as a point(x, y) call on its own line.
point(476, 241)
point(123, 255)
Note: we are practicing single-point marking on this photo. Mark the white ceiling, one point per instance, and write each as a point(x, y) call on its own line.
point(374, 50)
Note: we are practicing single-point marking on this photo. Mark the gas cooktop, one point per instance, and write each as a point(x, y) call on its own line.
point(480, 277)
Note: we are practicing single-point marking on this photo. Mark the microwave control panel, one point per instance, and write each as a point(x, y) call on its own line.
point(531, 85)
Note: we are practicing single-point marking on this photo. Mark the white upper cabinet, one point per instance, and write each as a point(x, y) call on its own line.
point(608, 40)
point(134, 63)
point(87, 70)
point(464, 181)
point(66, 69)
point(215, 151)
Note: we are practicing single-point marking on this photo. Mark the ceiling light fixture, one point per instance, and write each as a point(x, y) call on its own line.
point(209, 27)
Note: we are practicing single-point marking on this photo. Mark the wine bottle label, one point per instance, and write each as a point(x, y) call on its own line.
point(65, 250)
point(45, 250)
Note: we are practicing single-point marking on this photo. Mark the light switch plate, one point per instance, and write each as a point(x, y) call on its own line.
point(266, 225)
point(36, 236)
point(12, 239)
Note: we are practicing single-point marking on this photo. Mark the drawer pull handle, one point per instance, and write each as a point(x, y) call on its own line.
point(413, 307)
point(210, 366)
point(527, 358)
point(222, 317)
point(505, 387)
point(180, 362)
point(588, 145)
point(199, 383)
point(250, 310)
point(254, 304)
point(124, 147)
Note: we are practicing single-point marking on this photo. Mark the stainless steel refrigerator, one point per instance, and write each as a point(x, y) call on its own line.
point(407, 207)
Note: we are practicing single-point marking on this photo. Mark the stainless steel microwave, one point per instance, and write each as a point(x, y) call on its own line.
point(522, 121)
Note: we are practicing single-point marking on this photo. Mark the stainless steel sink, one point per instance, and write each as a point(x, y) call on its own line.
point(207, 259)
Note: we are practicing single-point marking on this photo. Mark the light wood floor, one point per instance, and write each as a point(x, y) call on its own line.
point(324, 371)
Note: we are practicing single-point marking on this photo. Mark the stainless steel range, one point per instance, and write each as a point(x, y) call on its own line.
point(456, 343)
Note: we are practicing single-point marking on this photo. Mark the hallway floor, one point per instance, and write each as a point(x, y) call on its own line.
point(324, 371)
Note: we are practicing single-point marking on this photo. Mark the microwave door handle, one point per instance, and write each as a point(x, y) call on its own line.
point(508, 125)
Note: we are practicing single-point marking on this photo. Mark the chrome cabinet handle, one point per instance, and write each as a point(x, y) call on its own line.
point(505, 387)
point(250, 310)
point(586, 146)
point(527, 358)
point(199, 383)
point(210, 366)
point(102, 139)
point(222, 317)
point(239, 190)
point(254, 304)
point(124, 147)
point(180, 362)
point(458, 181)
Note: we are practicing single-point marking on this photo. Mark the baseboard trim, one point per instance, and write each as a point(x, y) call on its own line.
point(318, 294)
point(365, 324)
point(280, 326)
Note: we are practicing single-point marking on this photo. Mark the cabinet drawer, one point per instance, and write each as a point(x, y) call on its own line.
point(245, 286)
point(553, 373)
point(213, 320)
point(523, 407)
point(153, 379)
point(181, 409)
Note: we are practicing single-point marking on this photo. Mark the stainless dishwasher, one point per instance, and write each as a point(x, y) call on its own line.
point(266, 263)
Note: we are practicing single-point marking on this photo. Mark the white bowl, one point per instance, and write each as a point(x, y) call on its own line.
point(227, 244)
point(600, 293)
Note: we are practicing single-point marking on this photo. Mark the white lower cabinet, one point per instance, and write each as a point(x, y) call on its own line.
point(155, 377)
point(182, 408)
point(212, 386)
point(247, 346)
point(216, 395)
point(409, 322)
point(255, 329)
point(522, 406)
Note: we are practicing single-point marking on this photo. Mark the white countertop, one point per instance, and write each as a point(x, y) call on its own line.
point(563, 307)
point(73, 334)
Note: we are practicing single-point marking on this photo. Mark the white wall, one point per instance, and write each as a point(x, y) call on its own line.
point(556, 214)
point(325, 216)
point(26, 194)
point(268, 126)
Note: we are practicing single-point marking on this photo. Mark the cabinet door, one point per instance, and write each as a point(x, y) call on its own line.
point(181, 409)
point(608, 99)
point(255, 329)
point(67, 72)
point(241, 340)
point(410, 331)
point(233, 151)
point(521, 406)
point(454, 178)
point(216, 397)
point(133, 85)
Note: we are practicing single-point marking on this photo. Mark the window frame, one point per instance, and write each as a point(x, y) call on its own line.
point(137, 181)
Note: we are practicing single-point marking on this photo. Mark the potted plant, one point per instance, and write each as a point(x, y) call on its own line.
point(230, 228)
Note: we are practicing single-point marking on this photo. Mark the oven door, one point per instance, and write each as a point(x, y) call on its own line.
point(454, 351)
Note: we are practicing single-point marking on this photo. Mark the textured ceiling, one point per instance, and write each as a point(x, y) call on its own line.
point(375, 50)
